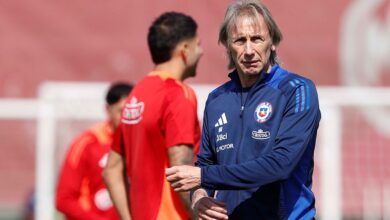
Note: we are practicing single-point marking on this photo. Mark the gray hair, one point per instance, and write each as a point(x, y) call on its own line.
point(251, 8)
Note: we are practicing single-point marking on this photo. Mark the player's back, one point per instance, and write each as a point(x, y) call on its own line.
point(145, 119)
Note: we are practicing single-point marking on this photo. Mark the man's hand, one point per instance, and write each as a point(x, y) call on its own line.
point(183, 178)
point(208, 208)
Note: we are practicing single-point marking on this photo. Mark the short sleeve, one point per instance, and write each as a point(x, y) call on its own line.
point(180, 116)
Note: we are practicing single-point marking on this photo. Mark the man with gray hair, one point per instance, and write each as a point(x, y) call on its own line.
point(259, 130)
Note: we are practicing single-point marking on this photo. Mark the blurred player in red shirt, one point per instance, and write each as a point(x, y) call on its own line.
point(81, 192)
point(159, 126)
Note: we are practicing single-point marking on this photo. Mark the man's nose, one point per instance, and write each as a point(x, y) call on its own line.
point(249, 48)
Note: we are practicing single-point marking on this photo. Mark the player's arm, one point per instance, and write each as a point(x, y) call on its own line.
point(182, 155)
point(191, 175)
point(204, 206)
point(116, 184)
point(179, 120)
point(71, 180)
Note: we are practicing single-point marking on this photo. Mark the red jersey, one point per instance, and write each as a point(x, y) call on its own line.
point(81, 192)
point(160, 112)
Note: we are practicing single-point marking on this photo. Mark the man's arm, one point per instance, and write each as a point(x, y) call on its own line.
point(116, 183)
point(182, 155)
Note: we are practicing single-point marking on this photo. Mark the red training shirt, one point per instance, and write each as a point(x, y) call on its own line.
point(160, 112)
point(81, 192)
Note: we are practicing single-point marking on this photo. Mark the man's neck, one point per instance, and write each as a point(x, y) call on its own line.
point(175, 69)
point(249, 81)
point(111, 125)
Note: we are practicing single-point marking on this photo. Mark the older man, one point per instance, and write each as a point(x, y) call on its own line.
point(259, 130)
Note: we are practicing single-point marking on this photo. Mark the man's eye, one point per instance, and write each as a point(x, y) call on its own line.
point(239, 41)
point(257, 39)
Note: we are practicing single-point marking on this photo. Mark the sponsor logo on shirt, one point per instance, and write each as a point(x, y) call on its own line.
point(221, 137)
point(103, 161)
point(263, 112)
point(102, 200)
point(132, 112)
point(222, 120)
point(224, 147)
point(260, 134)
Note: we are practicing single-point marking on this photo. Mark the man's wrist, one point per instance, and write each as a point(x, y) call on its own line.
point(198, 194)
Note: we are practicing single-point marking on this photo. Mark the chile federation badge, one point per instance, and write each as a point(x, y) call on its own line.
point(263, 112)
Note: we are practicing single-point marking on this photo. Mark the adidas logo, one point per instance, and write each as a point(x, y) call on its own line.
point(222, 120)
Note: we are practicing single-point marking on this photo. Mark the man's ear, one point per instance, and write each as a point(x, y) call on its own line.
point(273, 47)
point(184, 51)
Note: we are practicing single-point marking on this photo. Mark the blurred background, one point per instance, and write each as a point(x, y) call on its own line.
point(342, 45)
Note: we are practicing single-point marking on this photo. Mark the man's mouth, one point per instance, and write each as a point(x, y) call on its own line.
point(250, 63)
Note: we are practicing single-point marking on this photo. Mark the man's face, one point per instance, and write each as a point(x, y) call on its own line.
point(114, 111)
point(195, 51)
point(250, 46)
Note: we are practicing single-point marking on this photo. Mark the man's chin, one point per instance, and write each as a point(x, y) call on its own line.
point(252, 72)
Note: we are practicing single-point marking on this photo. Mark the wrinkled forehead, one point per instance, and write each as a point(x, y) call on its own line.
point(248, 20)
